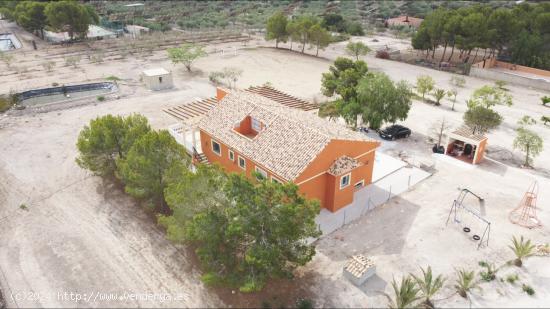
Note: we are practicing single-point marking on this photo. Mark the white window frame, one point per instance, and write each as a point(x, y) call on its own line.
point(362, 182)
point(212, 146)
point(262, 172)
point(255, 124)
point(239, 162)
point(276, 180)
point(342, 178)
point(231, 155)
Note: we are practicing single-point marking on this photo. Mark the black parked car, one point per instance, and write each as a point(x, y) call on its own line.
point(394, 132)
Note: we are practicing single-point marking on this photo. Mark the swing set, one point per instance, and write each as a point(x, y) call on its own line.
point(466, 216)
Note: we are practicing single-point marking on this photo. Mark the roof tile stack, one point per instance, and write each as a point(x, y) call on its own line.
point(358, 265)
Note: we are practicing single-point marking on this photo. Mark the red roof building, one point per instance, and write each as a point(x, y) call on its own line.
point(404, 20)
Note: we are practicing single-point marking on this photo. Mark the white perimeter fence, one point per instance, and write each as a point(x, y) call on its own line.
point(370, 197)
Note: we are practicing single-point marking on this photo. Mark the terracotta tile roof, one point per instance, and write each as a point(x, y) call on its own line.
point(466, 132)
point(291, 140)
point(282, 98)
point(358, 265)
point(343, 165)
point(190, 111)
point(405, 20)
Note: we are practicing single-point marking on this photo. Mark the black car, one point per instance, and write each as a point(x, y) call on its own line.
point(394, 132)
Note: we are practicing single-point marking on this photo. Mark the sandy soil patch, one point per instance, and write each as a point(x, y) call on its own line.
point(79, 234)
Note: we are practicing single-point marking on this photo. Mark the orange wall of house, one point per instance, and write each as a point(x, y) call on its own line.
point(325, 188)
point(480, 152)
point(225, 162)
point(333, 151)
point(330, 195)
point(315, 189)
point(492, 62)
point(343, 197)
point(245, 127)
point(220, 93)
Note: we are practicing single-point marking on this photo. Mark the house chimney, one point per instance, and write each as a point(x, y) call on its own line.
point(221, 93)
point(406, 18)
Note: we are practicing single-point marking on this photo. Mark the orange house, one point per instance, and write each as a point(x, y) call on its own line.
point(246, 132)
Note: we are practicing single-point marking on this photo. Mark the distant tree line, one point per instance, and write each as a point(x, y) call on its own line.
point(308, 29)
point(520, 34)
point(36, 16)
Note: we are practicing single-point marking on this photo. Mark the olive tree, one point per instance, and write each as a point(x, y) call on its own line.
point(527, 140)
point(357, 49)
point(424, 84)
point(381, 100)
point(186, 54)
point(481, 119)
point(452, 94)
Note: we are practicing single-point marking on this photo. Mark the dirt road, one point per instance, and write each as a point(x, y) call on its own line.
point(64, 231)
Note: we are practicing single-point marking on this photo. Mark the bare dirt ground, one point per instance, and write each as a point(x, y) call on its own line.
point(78, 234)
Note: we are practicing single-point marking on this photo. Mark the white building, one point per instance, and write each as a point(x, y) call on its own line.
point(158, 79)
point(94, 32)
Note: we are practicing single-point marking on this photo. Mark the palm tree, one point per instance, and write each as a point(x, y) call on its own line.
point(438, 95)
point(428, 285)
point(406, 293)
point(465, 282)
point(522, 249)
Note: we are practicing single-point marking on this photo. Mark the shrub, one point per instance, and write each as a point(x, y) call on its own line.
point(7, 101)
point(48, 65)
point(528, 289)
point(458, 81)
point(500, 84)
point(55, 84)
point(5, 104)
point(465, 282)
point(97, 58)
point(251, 286)
point(304, 303)
point(382, 54)
point(216, 77)
point(100, 98)
point(489, 274)
point(512, 278)
point(72, 60)
point(8, 59)
point(354, 28)
point(211, 279)
point(340, 37)
point(113, 78)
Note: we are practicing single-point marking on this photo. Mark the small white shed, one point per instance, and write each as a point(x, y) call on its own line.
point(158, 79)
